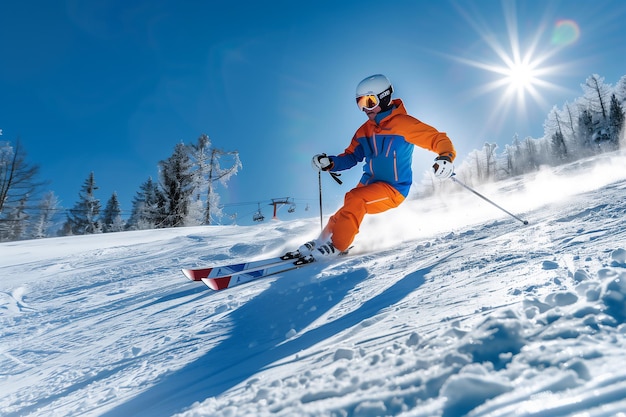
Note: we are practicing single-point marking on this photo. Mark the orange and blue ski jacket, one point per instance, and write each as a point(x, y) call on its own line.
point(387, 147)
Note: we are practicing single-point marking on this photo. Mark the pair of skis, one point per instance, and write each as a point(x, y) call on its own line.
point(228, 276)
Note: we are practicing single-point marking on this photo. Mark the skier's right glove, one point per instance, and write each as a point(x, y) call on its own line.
point(443, 167)
point(321, 162)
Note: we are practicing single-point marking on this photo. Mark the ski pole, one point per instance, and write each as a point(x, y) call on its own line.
point(486, 199)
point(319, 180)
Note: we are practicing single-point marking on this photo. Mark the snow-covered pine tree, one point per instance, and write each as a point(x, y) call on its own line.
point(208, 171)
point(597, 97)
point(17, 183)
point(616, 120)
point(112, 216)
point(200, 153)
point(177, 184)
point(585, 132)
point(480, 165)
point(83, 219)
point(568, 118)
point(597, 94)
point(47, 207)
point(16, 222)
point(513, 154)
point(553, 129)
point(530, 155)
point(145, 211)
point(489, 161)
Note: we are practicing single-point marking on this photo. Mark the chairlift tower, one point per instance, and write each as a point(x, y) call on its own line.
point(278, 202)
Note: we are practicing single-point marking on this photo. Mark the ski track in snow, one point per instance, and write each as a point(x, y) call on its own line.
point(444, 308)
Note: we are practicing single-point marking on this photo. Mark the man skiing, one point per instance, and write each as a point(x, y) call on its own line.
point(385, 141)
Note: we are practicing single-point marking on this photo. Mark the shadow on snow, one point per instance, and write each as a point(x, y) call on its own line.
point(258, 337)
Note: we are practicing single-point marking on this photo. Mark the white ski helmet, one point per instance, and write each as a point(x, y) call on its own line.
point(373, 91)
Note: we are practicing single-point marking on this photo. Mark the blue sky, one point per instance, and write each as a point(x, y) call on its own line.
point(111, 87)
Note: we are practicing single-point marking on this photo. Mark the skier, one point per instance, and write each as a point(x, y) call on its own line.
point(386, 142)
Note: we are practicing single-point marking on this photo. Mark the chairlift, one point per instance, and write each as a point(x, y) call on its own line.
point(292, 208)
point(258, 215)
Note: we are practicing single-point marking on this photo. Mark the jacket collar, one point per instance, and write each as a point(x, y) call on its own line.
point(397, 108)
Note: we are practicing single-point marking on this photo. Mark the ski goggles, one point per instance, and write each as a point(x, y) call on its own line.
point(367, 102)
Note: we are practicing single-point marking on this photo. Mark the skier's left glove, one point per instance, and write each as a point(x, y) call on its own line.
point(321, 162)
point(443, 167)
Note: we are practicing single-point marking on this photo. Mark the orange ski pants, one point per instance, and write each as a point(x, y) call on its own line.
point(373, 198)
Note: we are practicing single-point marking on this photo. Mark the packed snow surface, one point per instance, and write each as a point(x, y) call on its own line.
point(445, 307)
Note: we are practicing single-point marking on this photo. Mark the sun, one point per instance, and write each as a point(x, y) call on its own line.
point(521, 76)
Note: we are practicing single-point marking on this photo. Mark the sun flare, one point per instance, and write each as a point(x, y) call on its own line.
point(521, 70)
point(521, 78)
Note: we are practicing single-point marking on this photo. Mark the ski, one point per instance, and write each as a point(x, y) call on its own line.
point(198, 274)
point(227, 276)
point(242, 277)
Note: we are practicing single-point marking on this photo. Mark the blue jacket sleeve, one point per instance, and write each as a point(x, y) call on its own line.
point(349, 158)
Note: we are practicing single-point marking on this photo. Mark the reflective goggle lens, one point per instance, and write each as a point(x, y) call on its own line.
point(367, 102)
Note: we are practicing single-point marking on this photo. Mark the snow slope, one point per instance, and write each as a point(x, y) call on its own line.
point(446, 307)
